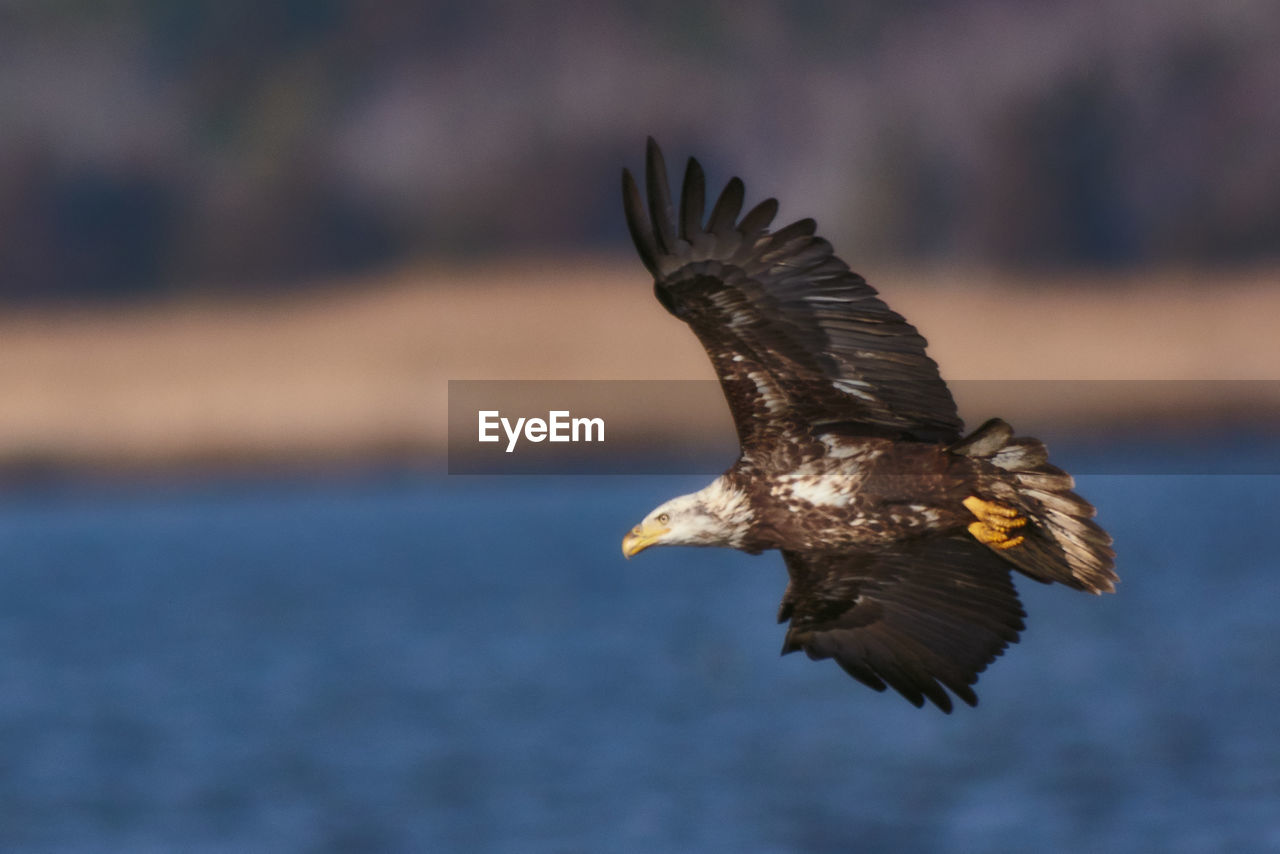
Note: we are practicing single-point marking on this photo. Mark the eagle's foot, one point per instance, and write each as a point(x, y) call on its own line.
point(995, 521)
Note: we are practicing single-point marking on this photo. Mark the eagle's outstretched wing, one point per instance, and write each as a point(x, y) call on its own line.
point(920, 616)
point(800, 343)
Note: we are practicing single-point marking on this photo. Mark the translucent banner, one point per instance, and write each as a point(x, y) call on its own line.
point(684, 427)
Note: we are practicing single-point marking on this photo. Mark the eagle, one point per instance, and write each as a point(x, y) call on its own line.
point(899, 533)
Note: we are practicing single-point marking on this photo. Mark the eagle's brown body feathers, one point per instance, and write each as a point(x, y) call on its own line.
point(898, 533)
point(883, 491)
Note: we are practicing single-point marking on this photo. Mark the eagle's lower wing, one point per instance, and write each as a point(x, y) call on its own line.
point(797, 339)
point(915, 617)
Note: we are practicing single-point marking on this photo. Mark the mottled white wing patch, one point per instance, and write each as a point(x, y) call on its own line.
point(820, 490)
point(916, 515)
point(841, 448)
point(774, 402)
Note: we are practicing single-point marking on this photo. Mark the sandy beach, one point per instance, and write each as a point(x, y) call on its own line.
point(359, 370)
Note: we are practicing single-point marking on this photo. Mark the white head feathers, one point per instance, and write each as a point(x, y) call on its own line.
point(718, 515)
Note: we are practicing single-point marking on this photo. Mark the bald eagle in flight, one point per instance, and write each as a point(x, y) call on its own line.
point(898, 532)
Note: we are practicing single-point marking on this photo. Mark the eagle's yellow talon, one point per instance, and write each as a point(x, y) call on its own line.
point(983, 534)
point(982, 509)
point(994, 522)
point(1007, 524)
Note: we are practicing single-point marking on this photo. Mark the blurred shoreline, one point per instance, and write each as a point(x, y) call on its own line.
point(358, 372)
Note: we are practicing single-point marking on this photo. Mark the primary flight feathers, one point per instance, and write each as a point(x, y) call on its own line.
point(782, 317)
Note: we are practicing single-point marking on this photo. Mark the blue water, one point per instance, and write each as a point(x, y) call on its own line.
point(409, 662)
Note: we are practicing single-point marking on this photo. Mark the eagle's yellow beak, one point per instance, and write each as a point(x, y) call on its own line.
point(641, 537)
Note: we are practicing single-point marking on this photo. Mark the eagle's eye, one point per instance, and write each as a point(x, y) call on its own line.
point(664, 518)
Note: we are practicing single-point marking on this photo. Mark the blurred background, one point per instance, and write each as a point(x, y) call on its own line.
point(178, 148)
point(243, 248)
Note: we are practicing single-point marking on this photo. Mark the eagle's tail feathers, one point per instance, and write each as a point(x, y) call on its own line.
point(1060, 541)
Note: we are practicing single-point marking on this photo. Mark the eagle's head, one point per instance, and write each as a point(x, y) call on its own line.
point(715, 516)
